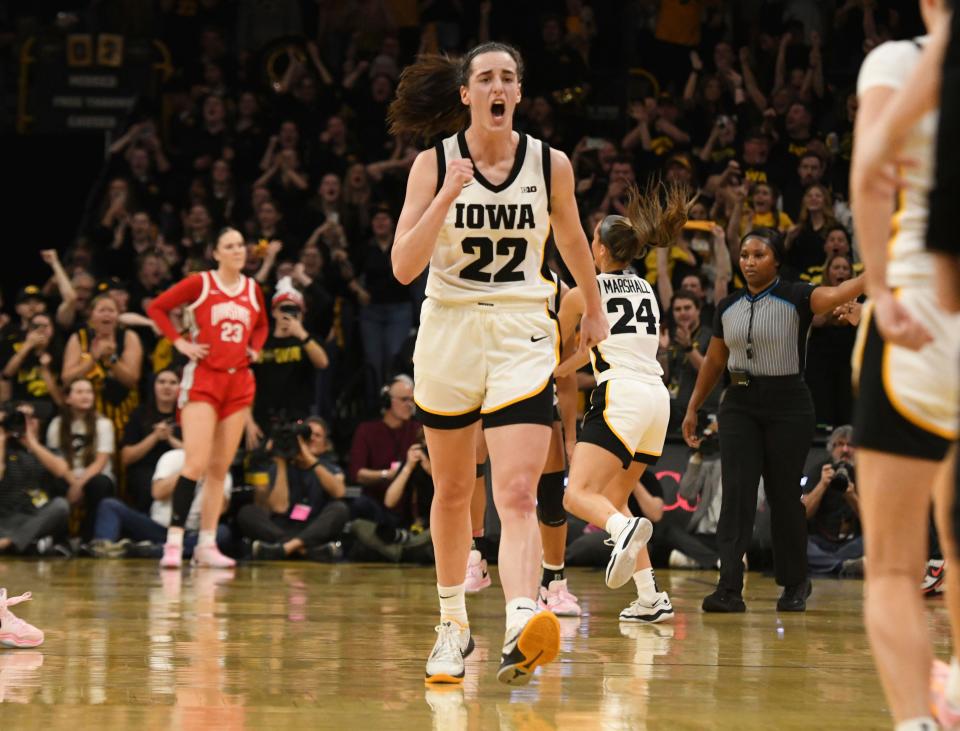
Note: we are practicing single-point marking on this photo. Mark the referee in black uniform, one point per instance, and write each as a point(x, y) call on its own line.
point(766, 414)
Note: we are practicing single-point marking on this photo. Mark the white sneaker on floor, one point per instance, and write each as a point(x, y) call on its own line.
point(626, 545)
point(647, 612)
point(454, 643)
point(680, 560)
point(528, 646)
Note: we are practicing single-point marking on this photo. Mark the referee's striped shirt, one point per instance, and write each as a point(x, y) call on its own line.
point(766, 332)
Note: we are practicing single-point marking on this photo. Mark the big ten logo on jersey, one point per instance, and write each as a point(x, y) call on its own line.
point(513, 249)
point(233, 319)
point(637, 309)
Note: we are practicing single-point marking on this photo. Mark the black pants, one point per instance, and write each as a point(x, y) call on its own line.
point(95, 490)
point(255, 523)
point(765, 430)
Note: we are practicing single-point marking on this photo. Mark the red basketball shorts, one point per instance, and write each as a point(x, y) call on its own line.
point(227, 391)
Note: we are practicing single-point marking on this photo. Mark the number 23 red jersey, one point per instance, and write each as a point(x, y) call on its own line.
point(229, 320)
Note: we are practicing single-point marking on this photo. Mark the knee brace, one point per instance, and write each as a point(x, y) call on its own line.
point(550, 500)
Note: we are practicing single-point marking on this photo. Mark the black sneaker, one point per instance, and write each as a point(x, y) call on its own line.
point(144, 549)
point(723, 601)
point(794, 597)
point(326, 552)
point(263, 551)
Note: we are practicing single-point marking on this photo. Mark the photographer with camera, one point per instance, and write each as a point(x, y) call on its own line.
point(301, 512)
point(835, 540)
point(27, 471)
point(287, 367)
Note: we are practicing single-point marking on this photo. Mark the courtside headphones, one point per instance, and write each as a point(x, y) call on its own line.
point(386, 400)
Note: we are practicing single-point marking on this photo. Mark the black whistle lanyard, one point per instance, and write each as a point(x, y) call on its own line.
point(750, 332)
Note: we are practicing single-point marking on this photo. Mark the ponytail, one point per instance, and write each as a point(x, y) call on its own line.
point(649, 222)
point(428, 100)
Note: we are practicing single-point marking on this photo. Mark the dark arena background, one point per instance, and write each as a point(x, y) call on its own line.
point(132, 132)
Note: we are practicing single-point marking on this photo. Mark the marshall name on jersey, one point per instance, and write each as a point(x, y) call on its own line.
point(490, 247)
point(634, 317)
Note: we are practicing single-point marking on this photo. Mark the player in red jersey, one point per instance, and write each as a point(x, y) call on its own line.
point(229, 327)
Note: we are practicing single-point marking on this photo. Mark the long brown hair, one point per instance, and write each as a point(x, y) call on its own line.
point(89, 424)
point(650, 221)
point(428, 96)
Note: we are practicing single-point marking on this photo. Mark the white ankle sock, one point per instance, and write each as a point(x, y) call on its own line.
point(952, 691)
point(615, 524)
point(519, 610)
point(646, 585)
point(175, 536)
point(207, 538)
point(453, 603)
point(920, 723)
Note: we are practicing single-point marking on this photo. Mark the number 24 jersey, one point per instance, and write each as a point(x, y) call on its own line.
point(634, 316)
point(229, 320)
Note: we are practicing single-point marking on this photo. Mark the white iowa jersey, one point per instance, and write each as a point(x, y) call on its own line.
point(634, 316)
point(889, 65)
point(490, 247)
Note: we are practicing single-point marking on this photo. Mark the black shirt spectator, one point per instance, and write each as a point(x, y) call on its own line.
point(286, 371)
point(151, 431)
point(32, 364)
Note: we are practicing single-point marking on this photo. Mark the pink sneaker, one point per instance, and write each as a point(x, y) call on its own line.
point(14, 632)
point(559, 600)
point(172, 556)
point(477, 576)
point(943, 710)
point(211, 558)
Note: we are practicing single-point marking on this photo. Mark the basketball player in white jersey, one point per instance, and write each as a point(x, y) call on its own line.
point(478, 209)
point(554, 592)
point(906, 365)
point(626, 424)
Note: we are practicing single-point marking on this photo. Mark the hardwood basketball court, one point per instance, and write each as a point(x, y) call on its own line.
point(306, 646)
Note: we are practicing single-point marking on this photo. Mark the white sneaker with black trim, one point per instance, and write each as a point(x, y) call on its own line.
point(528, 646)
point(626, 545)
point(454, 643)
point(647, 612)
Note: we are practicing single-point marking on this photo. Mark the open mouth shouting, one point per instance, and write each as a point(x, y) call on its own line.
point(498, 109)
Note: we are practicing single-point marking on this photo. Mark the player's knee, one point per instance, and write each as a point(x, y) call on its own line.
point(551, 509)
point(453, 496)
point(517, 498)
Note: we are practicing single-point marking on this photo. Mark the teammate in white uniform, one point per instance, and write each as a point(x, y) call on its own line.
point(906, 364)
point(478, 209)
point(625, 426)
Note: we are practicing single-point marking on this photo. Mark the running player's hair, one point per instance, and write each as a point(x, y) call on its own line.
point(428, 100)
point(650, 221)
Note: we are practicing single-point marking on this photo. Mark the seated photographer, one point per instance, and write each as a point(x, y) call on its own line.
point(833, 510)
point(404, 534)
point(286, 370)
point(301, 512)
point(151, 432)
point(694, 546)
point(117, 523)
point(27, 471)
point(379, 449)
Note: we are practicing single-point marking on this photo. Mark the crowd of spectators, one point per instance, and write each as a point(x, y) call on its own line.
point(274, 122)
